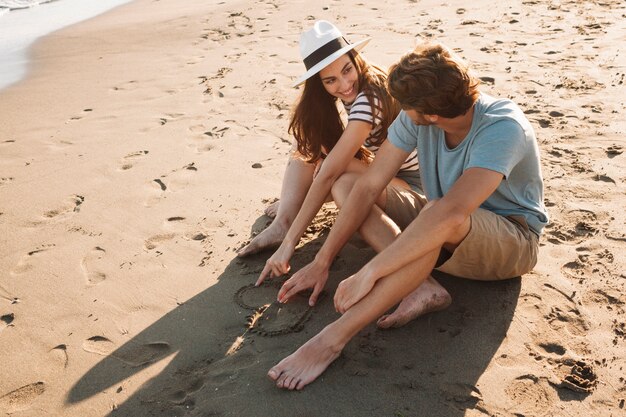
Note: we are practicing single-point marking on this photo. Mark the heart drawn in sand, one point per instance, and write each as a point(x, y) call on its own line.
point(269, 317)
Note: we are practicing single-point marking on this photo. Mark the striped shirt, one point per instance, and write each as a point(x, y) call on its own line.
point(360, 109)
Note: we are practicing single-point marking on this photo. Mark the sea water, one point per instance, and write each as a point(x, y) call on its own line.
point(24, 21)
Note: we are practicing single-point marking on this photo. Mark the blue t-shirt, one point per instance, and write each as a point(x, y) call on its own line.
point(501, 139)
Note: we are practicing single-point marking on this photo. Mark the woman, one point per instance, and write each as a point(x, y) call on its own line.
point(323, 149)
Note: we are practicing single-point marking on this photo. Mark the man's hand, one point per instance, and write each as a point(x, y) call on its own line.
point(311, 276)
point(351, 290)
point(277, 264)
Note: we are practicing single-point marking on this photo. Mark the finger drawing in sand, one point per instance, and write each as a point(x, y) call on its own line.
point(479, 214)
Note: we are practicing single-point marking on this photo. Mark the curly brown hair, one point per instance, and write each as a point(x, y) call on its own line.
point(433, 80)
point(316, 124)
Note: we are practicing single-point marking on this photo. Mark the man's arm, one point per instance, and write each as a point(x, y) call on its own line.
point(362, 197)
point(443, 223)
point(353, 213)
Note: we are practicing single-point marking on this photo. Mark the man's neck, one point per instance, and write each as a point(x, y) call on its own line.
point(456, 129)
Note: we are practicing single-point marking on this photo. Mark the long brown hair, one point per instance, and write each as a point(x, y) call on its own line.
point(316, 124)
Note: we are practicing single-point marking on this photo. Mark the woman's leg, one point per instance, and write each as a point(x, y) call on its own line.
point(296, 183)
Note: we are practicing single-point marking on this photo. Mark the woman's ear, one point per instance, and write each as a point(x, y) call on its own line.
point(433, 118)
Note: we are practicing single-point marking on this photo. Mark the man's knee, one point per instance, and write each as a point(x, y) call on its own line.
point(342, 186)
point(456, 235)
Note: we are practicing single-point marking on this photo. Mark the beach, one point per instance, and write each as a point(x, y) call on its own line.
point(137, 157)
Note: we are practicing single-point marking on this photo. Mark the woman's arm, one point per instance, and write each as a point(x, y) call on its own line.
point(334, 165)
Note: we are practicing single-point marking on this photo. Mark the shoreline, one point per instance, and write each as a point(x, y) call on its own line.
point(138, 155)
point(22, 28)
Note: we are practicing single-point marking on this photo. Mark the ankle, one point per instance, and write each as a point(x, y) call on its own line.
point(333, 339)
point(282, 223)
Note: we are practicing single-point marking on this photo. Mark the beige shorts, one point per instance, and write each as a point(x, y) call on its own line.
point(496, 247)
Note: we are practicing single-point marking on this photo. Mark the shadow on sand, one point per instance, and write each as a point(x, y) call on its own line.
point(428, 368)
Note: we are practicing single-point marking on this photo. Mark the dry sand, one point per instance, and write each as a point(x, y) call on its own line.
point(128, 180)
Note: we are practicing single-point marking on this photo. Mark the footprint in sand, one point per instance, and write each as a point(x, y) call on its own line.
point(129, 160)
point(127, 86)
point(269, 317)
point(170, 117)
point(561, 315)
point(567, 318)
point(157, 190)
point(25, 263)
point(99, 345)
point(531, 395)
point(154, 241)
point(217, 35)
point(71, 205)
point(5, 180)
point(73, 118)
point(182, 395)
point(90, 265)
point(22, 398)
point(202, 148)
point(60, 354)
point(575, 227)
point(131, 353)
point(241, 24)
point(589, 264)
point(611, 298)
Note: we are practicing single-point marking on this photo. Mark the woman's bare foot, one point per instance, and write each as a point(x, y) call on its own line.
point(428, 297)
point(269, 238)
point(307, 363)
point(272, 209)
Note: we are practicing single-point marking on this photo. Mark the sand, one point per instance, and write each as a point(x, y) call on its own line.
point(141, 150)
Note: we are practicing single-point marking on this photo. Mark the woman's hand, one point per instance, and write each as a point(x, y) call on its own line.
point(351, 290)
point(312, 276)
point(277, 264)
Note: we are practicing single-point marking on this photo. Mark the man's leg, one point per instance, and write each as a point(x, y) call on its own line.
point(310, 360)
point(379, 231)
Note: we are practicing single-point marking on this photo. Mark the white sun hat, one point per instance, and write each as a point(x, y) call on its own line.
point(322, 45)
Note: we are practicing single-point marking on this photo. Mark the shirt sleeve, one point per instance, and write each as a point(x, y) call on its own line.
point(403, 133)
point(362, 110)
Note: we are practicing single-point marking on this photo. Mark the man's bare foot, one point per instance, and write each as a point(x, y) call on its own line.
point(272, 209)
point(428, 297)
point(304, 365)
point(269, 238)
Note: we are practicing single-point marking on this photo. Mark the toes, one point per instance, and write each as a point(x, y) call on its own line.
point(274, 374)
point(290, 383)
point(281, 381)
point(294, 383)
point(244, 252)
point(248, 250)
point(385, 322)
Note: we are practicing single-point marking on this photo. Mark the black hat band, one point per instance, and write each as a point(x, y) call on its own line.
point(324, 51)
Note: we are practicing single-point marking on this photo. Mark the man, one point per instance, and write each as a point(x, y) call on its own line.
point(480, 217)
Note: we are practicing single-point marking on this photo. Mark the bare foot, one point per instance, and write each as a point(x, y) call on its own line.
point(272, 209)
point(428, 297)
point(304, 365)
point(269, 238)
